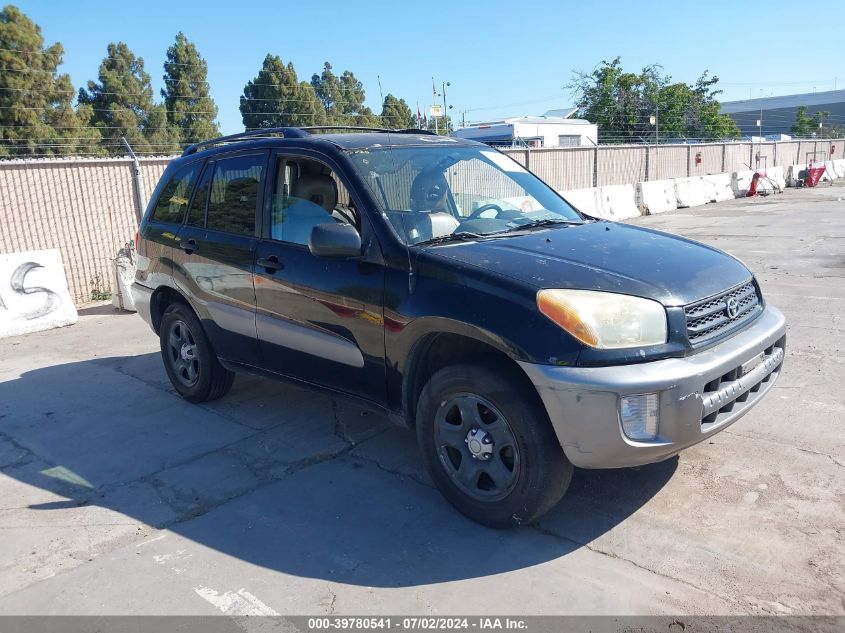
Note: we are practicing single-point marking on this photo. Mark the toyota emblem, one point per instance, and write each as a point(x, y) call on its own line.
point(733, 308)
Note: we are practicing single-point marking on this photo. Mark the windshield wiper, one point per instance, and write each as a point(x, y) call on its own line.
point(546, 222)
point(460, 236)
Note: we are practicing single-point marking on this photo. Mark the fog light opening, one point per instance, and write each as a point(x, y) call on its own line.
point(640, 416)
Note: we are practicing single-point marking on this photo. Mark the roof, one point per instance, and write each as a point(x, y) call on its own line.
point(531, 120)
point(785, 101)
point(386, 139)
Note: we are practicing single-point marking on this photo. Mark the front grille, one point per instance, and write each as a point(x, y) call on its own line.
point(741, 387)
point(709, 318)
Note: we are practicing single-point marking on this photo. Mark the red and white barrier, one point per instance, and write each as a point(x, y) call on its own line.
point(741, 182)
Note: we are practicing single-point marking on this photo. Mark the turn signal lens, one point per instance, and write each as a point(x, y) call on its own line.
point(605, 320)
point(640, 416)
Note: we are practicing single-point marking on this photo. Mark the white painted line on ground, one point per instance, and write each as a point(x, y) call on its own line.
point(238, 603)
point(152, 540)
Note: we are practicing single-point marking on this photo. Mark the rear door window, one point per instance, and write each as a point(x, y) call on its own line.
point(234, 193)
point(174, 198)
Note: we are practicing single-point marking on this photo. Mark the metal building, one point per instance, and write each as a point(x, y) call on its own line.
point(777, 114)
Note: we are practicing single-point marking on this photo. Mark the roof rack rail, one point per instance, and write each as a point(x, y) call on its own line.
point(287, 132)
point(314, 128)
point(294, 132)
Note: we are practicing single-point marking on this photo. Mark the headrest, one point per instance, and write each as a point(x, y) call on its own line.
point(321, 189)
point(428, 192)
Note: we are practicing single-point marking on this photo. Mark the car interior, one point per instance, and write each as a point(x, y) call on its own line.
point(306, 193)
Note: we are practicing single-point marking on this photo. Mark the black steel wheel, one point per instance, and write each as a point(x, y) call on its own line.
point(488, 444)
point(189, 359)
point(477, 447)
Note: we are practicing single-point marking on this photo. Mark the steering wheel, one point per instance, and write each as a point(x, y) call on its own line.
point(475, 215)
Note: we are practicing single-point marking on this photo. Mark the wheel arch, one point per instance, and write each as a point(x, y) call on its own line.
point(436, 350)
point(161, 298)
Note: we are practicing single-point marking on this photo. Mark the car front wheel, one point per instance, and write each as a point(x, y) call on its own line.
point(489, 446)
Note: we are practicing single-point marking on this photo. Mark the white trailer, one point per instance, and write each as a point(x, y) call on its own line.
point(533, 131)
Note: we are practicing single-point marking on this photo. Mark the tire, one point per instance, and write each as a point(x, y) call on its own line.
point(189, 359)
point(536, 473)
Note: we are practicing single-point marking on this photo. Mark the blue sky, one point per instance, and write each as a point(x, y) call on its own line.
point(502, 58)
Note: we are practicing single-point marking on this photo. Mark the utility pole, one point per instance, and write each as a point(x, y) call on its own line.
point(445, 111)
point(140, 201)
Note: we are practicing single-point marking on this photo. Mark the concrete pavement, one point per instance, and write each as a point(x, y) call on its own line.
point(116, 497)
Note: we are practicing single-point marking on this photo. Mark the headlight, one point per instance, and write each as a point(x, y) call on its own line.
point(605, 320)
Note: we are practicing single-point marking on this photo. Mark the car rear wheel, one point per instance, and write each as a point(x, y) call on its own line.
point(189, 359)
point(489, 446)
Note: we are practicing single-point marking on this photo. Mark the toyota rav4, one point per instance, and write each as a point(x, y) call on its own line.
point(443, 282)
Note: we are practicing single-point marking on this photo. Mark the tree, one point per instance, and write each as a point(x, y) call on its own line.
point(622, 104)
point(343, 98)
point(122, 105)
point(395, 113)
point(36, 111)
point(188, 105)
point(441, 124)
point(276, 98)
point(806, 125)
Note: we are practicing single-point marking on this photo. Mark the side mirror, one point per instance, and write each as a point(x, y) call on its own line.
point(334, 240)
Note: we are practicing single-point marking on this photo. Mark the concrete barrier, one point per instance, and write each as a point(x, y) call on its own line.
point(619, 202)
point(718, 187)
point(830, 169)
point(774, 178)
point(795, 174)
point(691, 192)
point(34, 294)
point(839, 166)
point(587, 200)
point(741, 181)
point(656, 196)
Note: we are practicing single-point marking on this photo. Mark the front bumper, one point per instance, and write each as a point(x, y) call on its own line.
point(698, 396)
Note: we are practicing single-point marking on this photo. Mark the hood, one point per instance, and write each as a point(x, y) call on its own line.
point(605, 256)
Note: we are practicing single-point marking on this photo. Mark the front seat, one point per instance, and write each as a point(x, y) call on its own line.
point(313, 198)
point(429, 201)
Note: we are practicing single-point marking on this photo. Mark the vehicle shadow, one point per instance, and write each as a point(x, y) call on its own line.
point(275, 475)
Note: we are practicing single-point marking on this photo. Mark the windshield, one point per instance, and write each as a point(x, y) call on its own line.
point(431, 193)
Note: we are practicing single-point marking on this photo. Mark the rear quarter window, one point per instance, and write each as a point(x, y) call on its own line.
point(171, 204)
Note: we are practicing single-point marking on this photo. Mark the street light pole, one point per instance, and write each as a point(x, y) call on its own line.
point(655, 121)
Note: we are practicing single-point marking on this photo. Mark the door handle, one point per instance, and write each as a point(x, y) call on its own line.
point(189, 246)
point(270, 264)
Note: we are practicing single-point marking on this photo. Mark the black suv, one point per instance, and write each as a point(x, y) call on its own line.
point(442, 281)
